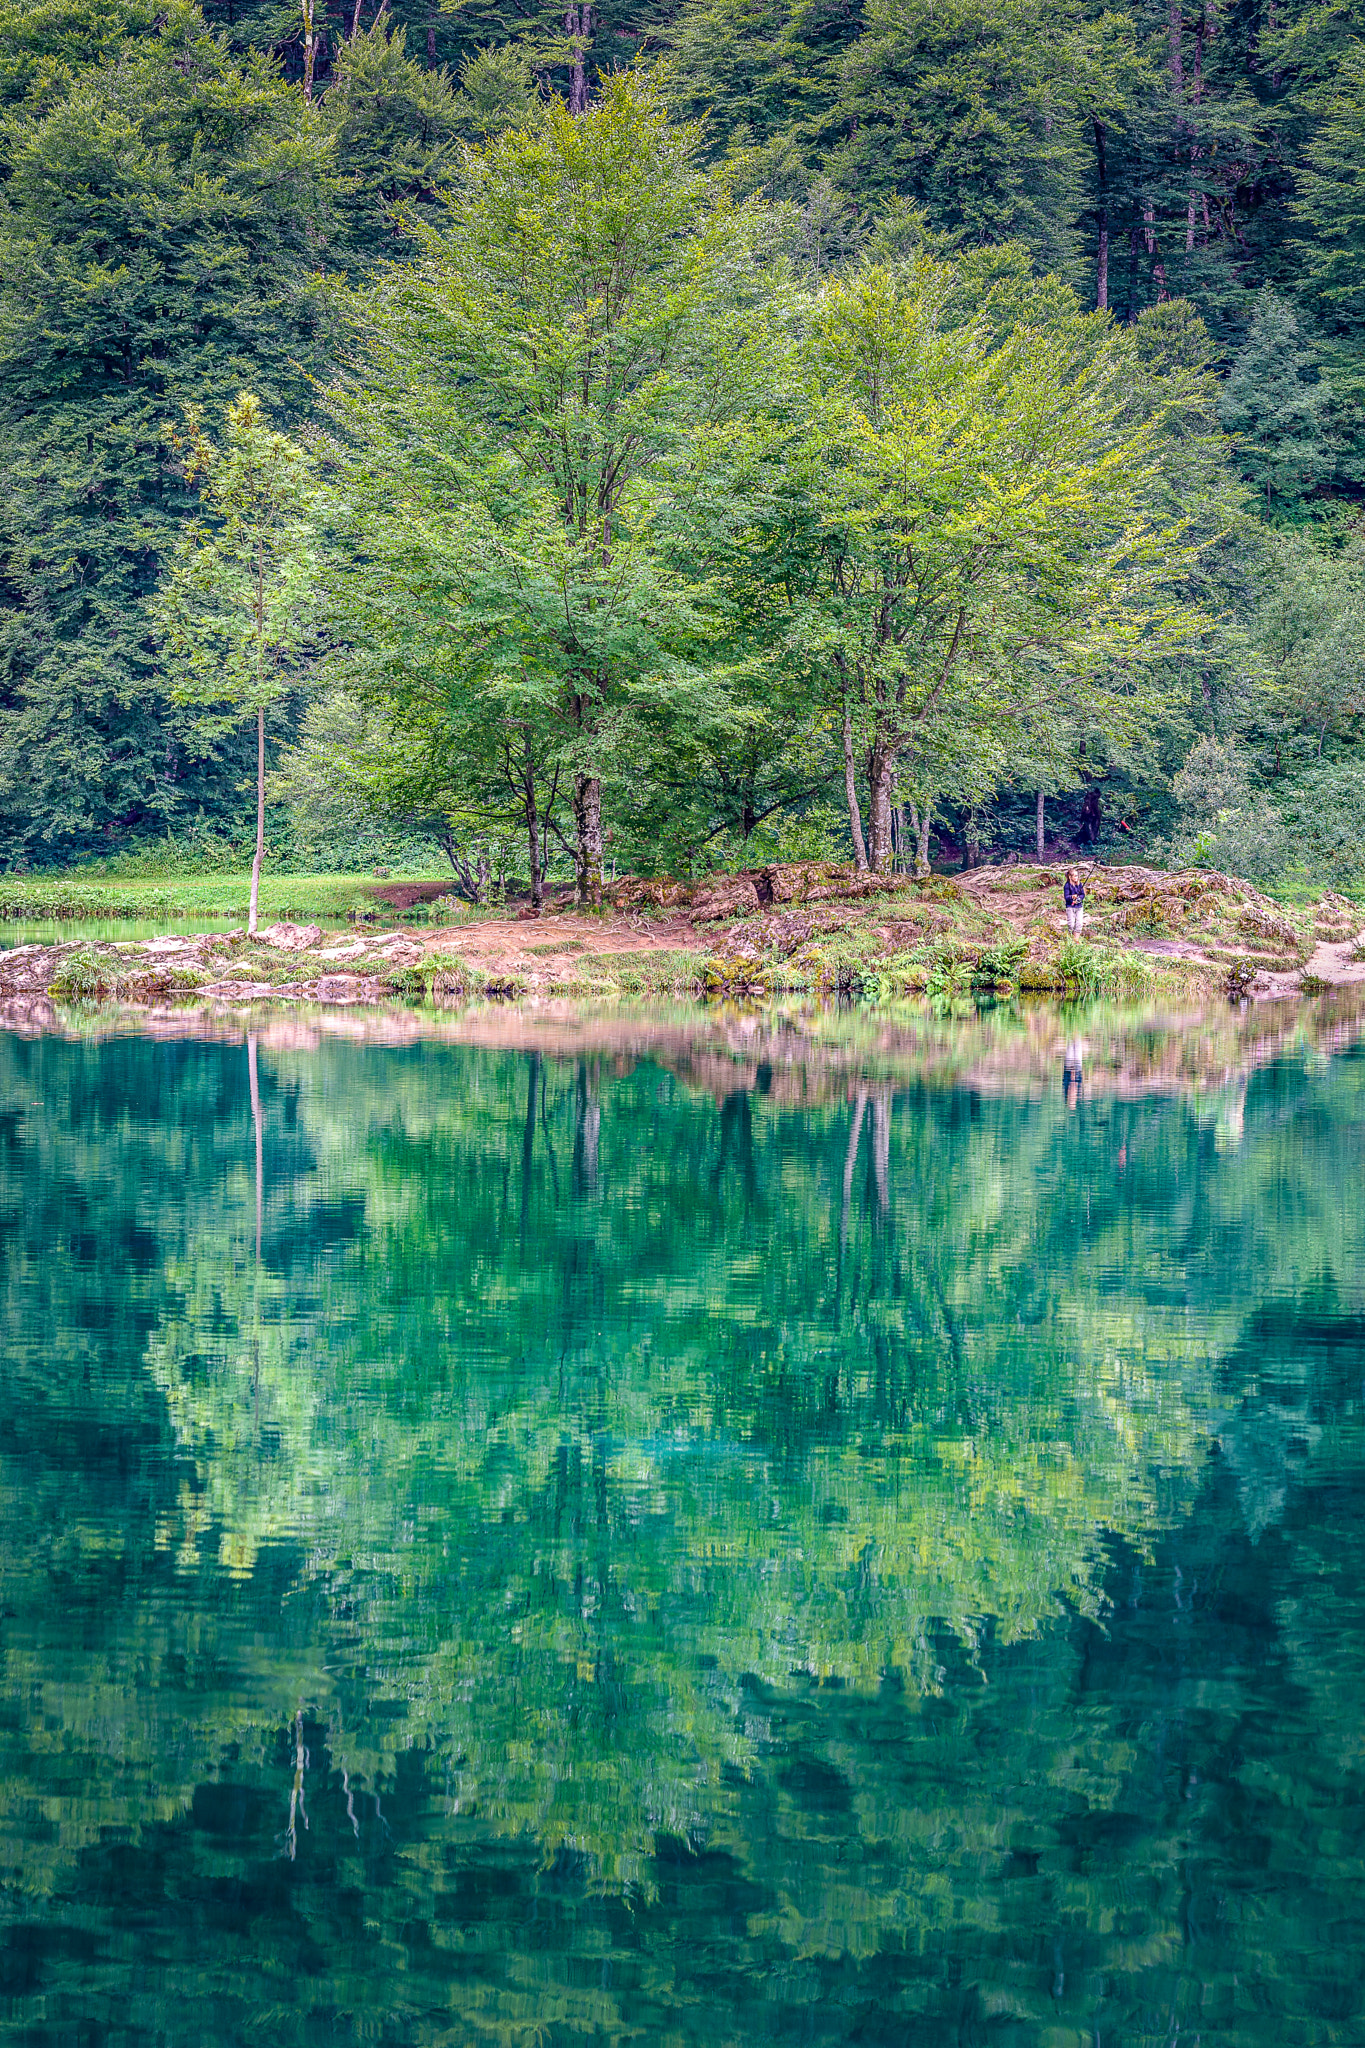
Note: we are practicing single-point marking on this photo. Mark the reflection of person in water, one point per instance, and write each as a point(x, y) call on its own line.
point(1073, 1074)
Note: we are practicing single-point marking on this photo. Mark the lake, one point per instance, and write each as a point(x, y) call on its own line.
point(696, 1532)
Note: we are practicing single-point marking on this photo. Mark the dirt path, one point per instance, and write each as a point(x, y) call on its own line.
point(528, 944)
point(1332, 964)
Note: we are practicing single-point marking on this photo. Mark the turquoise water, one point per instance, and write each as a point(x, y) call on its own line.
point(500, 1547)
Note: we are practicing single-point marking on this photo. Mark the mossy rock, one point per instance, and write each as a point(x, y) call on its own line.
point(1040, 977)
point(734, 976)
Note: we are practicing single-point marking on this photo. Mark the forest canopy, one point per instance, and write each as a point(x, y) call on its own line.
point(718, 432)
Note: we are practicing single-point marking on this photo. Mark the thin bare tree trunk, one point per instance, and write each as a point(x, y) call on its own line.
point(1102, 268)
point(310, 51)
point(1040, 824)
point(855, 816)
point(587, 811)
point(532, 818)
point(1101, 221)
point(919, 824)
point(260, 820)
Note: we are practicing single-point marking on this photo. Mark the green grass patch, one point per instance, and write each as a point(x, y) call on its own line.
point(648, 974)
point(315, 899)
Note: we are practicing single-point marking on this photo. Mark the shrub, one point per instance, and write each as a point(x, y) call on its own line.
point(1001, 962)
point(1082, 968)
point(82, 976)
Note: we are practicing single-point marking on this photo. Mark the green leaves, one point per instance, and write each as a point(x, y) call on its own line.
point(159, 242)
point(1329, 194)
point(976, 507)
point(541, 392)
point(1275, 405)
point(238, 605)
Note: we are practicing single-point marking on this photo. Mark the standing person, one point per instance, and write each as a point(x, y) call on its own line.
point(1073, 896)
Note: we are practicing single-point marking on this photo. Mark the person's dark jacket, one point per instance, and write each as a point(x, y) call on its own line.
point(1073, 894)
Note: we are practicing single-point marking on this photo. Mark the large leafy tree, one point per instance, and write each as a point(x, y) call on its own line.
point(539, 392)
point(970, 524)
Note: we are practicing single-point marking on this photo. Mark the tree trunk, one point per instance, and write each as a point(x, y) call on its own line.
point(310, 51)
point(1101, 222)
point(532, 820)
point(881, 774)
point(920, 819)
point(260, 820)
point(1040, 825)
point(578, 26)
point(587, 812)
point(855, 816)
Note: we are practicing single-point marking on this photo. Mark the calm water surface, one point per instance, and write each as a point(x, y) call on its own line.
point(498, 1548)
point(65, 931)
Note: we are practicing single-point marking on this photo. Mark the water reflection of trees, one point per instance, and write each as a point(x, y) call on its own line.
point(639, 1463)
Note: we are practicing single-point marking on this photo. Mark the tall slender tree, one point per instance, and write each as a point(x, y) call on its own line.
point(238, 606)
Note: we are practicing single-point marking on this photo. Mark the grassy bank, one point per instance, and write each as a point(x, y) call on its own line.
point(186, 899)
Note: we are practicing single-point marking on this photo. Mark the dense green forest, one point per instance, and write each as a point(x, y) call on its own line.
point(677, 437)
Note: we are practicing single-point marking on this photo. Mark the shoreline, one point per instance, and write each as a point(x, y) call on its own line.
point(814, 930)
